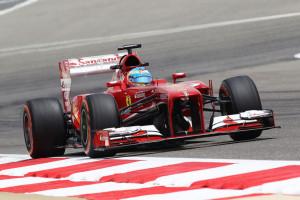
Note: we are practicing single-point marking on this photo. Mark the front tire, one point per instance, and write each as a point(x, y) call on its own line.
point(44, 128)
point(242, 92)
point(99, 111)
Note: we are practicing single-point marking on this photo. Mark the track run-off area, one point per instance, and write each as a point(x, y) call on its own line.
point(148, 177)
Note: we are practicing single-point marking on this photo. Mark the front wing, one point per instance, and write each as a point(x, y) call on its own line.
point(124, 137)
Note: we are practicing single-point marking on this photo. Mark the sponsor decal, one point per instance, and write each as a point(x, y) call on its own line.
point(91, 61)
point(94, 60)
point(139, 95)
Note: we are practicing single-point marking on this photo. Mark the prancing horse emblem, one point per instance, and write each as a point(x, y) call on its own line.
point(128, 100)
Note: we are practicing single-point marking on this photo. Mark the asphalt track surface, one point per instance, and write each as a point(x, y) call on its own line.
point(33, 39)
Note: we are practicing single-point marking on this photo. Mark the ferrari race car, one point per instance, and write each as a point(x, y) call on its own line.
point(131, 114)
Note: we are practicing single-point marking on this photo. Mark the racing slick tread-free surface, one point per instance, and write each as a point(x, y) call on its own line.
point(101, 112)
point(244, 96)
point(48, 128)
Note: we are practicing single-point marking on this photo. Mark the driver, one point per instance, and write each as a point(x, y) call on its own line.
point(139, 76)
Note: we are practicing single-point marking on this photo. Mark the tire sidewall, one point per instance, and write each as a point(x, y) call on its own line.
point(88, 146)
point(26, 113)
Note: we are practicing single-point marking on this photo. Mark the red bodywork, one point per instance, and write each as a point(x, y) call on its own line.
point(160, 91)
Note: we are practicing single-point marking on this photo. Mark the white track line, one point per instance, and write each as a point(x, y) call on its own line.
point(95, 175)
point(99, 40)
point(90, 189)
point(288, 187)
point(188, 178)
point(297, 56)
point(23, 181)
point(199, 194)
point(21, 171)
point(17, 6)
point(7, 159)
point(237, 161)
point(25, 156)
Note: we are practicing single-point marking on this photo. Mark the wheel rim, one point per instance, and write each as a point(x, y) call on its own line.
point(84, 129)
point(27, 127)
point(227, 107)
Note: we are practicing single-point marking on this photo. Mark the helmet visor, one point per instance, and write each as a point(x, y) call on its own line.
point(142, 79)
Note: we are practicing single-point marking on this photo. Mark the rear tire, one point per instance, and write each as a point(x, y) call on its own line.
point(99, 111)
point(44, 128)
point(242, 92)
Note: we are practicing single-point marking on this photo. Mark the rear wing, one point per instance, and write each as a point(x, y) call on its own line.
point(83, 66)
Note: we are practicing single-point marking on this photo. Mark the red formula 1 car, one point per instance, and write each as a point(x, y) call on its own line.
point(128, 114)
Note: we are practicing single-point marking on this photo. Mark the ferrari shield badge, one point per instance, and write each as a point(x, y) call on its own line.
point(128, 100)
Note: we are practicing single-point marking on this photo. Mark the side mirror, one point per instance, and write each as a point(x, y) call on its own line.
point(176, 76)
point(113, 83)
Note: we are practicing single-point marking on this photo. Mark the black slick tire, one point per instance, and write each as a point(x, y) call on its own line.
point(44, 128)
point(242, 92)
point(99, 111)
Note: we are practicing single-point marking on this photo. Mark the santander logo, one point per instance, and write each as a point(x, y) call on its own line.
point(95, 60)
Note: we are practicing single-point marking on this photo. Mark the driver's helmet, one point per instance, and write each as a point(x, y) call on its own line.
point(139, 76)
